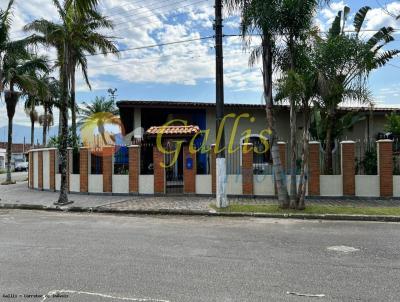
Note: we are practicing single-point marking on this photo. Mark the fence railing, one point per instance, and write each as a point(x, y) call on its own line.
point(366, 157)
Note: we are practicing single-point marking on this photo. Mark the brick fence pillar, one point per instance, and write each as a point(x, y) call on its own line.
point(159, 171)
point(189, 174)
point(84, 169)
point(314, 169)
point(213, 159)
point(30, 169)
point(348, 168)
point(40, 170)
point(385, 167)
point(52, 168)
point(108, 168)
point(134, 169)
point(247, 169)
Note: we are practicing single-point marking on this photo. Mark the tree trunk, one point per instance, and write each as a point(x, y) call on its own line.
point(73, 109)
point(305, 159)
point(45, 125)
point(293, 156)
point(63, 144)
point(280, 177)
point(32, 132)
point(11, 98)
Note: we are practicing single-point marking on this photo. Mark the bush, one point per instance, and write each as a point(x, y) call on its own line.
point(369, 164)
point(393, 123)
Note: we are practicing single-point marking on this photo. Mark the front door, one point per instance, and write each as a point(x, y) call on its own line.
point(173, 170)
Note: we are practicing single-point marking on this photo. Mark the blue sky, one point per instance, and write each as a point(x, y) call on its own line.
point(186, 71)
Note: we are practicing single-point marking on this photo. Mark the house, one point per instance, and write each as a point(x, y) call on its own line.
point(136, 115)
point(2, 159)
point(243, 122)
point(18, 153)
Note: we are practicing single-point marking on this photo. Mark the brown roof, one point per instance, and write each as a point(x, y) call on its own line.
point(202, 105)
point(173, 130)
point(16, 148)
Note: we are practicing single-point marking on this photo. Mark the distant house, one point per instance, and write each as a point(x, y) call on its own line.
point(19, 153)
point(2, 159)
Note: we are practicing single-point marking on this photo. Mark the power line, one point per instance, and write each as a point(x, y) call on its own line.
point(141, 16)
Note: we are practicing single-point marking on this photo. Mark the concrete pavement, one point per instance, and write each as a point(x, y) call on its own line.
point(102, 258)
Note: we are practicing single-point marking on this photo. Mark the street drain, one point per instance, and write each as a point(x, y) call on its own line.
point(343, 249)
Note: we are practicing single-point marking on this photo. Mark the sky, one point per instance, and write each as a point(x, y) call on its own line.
point(186, 71)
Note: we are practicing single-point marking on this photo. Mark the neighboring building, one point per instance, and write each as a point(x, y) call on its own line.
point(2, 159)
point(19, 153)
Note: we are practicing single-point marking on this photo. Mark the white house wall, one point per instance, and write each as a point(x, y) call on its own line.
point(35, 170)
point(146, 184)
point(46, 170)
point(120, 184)
point(204, 184)
point(264, 185)
point(331, 185)
point(367, 186)
point(75, 183)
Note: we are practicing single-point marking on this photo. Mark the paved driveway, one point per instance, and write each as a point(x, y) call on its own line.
point(102, 258)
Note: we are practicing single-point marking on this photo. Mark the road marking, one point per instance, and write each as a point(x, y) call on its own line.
point(306, 295)
point(343, 249)
point(67, 291)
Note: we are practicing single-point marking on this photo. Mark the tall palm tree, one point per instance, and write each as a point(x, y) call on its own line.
point(82, 31)
point(261, 18)
point(48, 101)
point(66, 37)
point(17, 70)
point(296, 21)
point(30, 110)
point(19, 73)
point(344, 62)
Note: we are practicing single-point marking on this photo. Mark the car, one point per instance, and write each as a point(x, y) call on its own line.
point(21, 166)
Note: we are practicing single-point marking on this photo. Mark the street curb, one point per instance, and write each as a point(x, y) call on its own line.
point(102, 210)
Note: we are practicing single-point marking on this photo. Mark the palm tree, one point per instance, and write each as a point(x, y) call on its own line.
point(72, 45)
point(84, 37)
point(30, 110)
point(296, 20)
point(49, 100)
point(17, 70)
point(19, 73)
point(96, 115)
point(261, 18)
point(344, 62)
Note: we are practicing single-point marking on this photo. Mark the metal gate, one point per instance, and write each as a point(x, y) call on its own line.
point(173, 170)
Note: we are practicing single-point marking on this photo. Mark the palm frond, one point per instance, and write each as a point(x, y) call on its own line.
point(360, 18)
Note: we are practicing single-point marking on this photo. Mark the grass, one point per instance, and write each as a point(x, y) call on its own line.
point(313, 209)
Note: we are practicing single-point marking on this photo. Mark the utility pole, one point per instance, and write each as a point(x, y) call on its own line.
point(222, 200)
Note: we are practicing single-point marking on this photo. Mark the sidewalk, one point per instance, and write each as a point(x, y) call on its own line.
point(20, 197)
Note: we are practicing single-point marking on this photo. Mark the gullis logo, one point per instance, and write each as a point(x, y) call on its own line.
point(105, 129)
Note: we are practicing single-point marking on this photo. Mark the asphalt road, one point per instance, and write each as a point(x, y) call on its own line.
point(119, 258)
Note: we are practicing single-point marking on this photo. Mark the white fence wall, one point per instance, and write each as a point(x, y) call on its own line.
point(95, 183)
point(204, 184)
point(264, 185)
point(35, 170)
point(331, 185)
point(146, 184)
point(120, 184)
point(46, 170)
point(75, 183)
point(367, 186)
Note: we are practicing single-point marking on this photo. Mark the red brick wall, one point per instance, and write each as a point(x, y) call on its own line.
point(189, 176)
point(213, 159)
point(159, 171)
point(247, 169)
point(134, 169)
point(282, 154)
point(314, 170)
point(108, 169)
point(385, 161)
point(52, 173)
point(348, 168)
point(40, 170)
point(83, 168)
